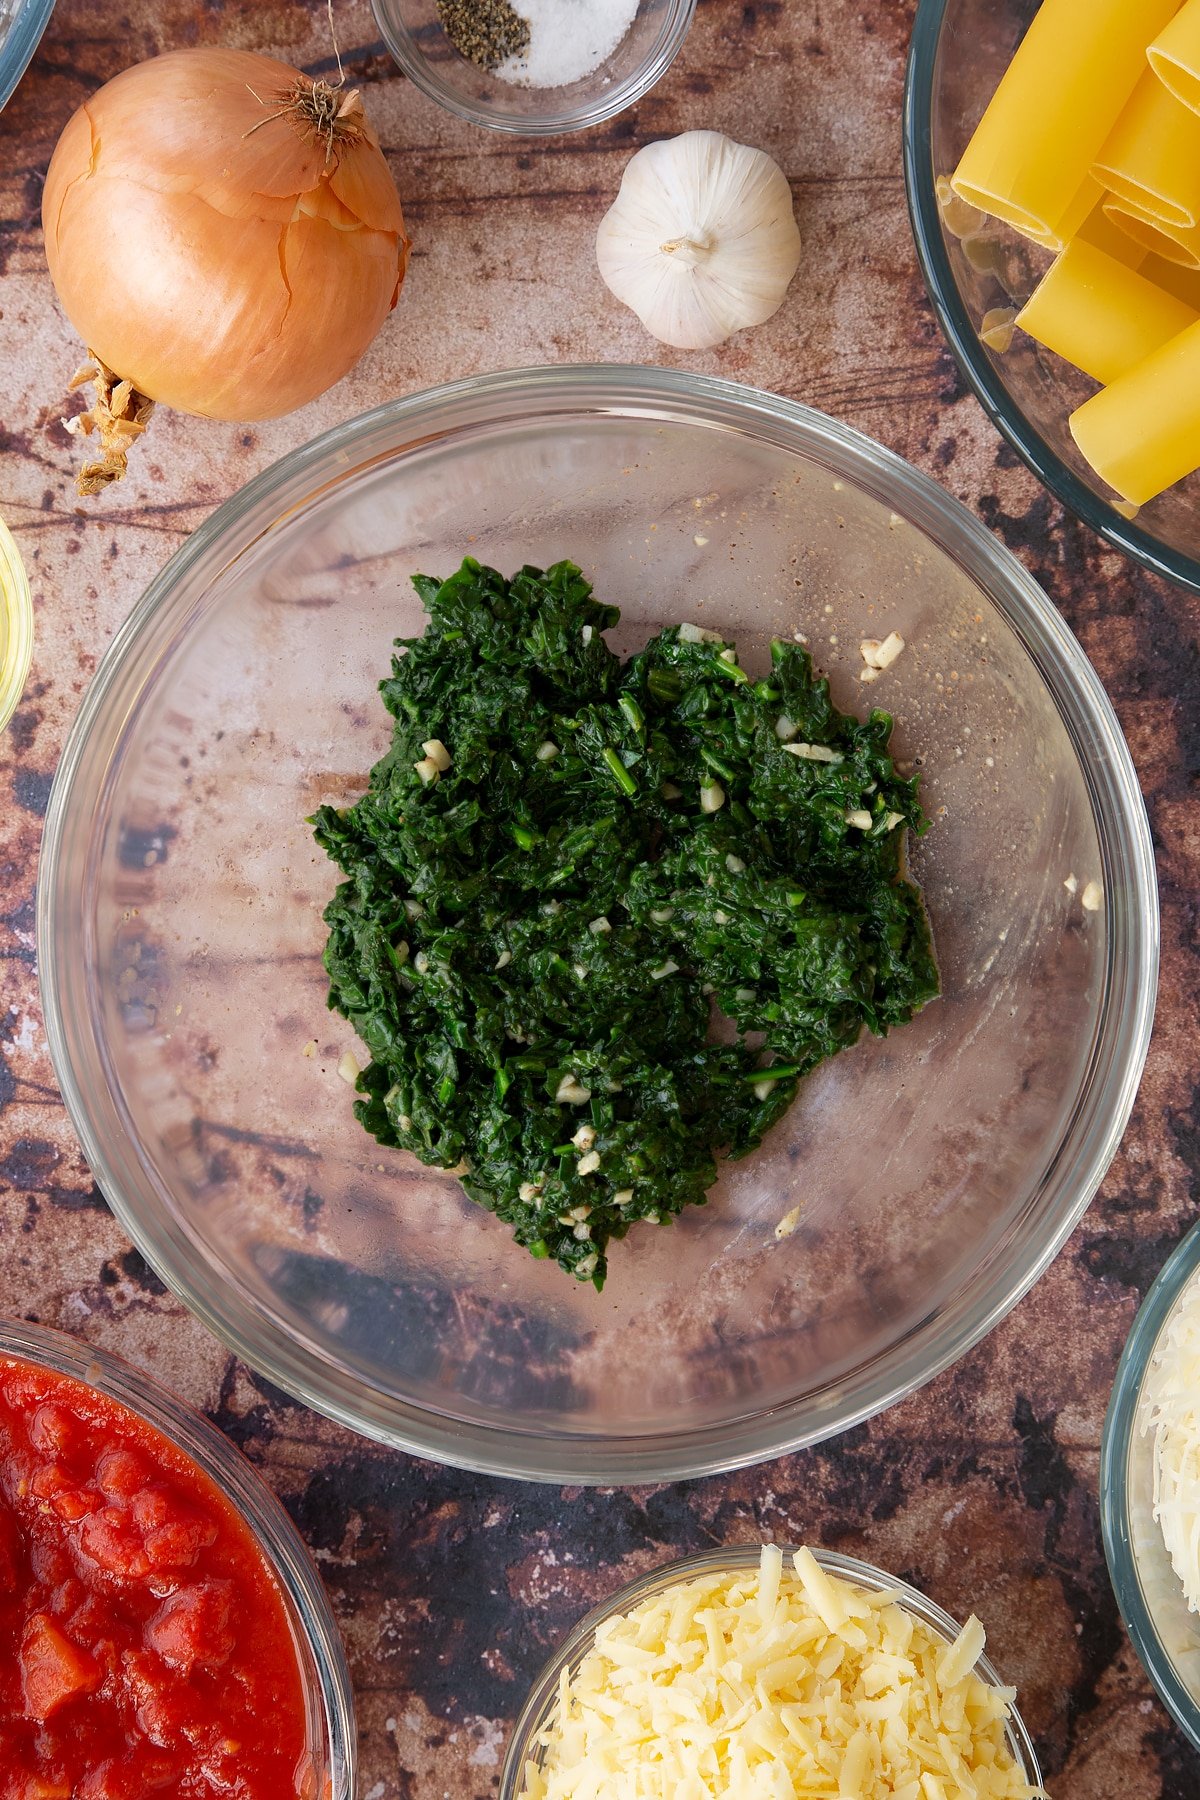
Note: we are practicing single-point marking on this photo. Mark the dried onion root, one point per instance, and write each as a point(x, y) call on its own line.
point(118, 414)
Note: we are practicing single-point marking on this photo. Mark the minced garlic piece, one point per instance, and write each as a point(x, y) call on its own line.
point(879, 655)
point(814, 753)
point(767, 1685)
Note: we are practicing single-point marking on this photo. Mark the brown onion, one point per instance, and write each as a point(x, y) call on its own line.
point(223, 232)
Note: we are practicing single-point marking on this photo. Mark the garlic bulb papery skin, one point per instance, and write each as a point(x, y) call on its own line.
point(701, 240)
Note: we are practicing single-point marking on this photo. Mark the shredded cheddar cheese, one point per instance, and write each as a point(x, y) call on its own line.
point(777, 1685)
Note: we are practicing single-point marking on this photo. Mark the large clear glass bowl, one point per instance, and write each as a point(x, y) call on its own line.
point(329, 1701)
point(538, 1712)
point(413, 33)
point(960, 49)
point(936, 1172)
point(1165, 1634)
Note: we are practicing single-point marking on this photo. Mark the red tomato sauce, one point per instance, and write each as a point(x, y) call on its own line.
point(144, 1646)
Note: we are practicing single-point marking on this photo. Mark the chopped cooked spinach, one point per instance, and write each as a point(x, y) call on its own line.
point(567, 868)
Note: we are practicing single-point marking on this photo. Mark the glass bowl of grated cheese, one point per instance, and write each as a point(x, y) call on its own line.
point(579, 61)
point(1150, 1484)
point(753, 1672)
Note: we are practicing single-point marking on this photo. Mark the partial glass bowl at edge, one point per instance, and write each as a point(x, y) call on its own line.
point(539, 1710)
point(325, 1678)
point(1165, 1634)
point(16, 625)
point(414, 35)
point(960, 49)
point(921, 1183)
point(22, 23)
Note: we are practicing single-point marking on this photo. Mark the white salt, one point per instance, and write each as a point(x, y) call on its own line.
point(567, 40)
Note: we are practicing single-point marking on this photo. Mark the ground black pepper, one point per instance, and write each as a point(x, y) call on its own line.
point(487, 32)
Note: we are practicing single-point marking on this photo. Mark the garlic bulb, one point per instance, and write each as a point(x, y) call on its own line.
point(700, 240)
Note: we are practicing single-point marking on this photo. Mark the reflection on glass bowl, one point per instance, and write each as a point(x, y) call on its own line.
point(960, 49)
point(936, 1172)
point(1165, 1634)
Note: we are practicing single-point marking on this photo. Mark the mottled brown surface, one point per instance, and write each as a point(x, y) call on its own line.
point(451, 1588)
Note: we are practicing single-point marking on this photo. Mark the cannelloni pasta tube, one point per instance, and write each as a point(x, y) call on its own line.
point(1100, 315)
point(1151, 157)
point(1175, 243)
point(1070, 80)
point(1175, 55)
point(1142, 434)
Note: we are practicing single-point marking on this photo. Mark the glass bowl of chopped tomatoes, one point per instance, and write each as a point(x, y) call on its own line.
point(979, 273)
point(808, 1677)
point(888, 1218)
point(1155, 1599)
point(164, 1628)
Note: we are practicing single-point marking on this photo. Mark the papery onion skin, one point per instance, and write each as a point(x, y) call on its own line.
point(211, 253)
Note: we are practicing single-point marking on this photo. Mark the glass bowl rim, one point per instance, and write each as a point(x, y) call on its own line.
point(276, 1537)
point(16, 602)
point(1106, 1093)
point(579, 117)
point(1120, 1423)
point(738, 1557)
point(960, 332)
point(19, 47)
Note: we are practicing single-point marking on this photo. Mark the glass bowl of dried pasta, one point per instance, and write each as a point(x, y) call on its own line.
point(979, 273)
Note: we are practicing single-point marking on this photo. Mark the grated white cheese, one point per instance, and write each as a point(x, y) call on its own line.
point(772, 1686)
point(1172, 1402)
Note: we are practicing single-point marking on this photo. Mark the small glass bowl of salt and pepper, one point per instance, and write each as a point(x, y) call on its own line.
point(534, 67)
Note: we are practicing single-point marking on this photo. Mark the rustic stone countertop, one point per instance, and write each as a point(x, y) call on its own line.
point(452, 1588)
